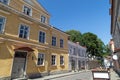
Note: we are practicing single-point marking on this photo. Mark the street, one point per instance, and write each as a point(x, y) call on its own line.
point(83, 75)
point(80, 76)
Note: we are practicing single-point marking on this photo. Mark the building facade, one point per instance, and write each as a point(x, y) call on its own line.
point(29, 46)
point(115, 28)
point(77, 56)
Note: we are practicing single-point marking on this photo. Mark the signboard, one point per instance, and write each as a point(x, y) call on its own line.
point(100, 75)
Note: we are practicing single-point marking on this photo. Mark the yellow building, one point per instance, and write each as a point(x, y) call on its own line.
point(29, 46)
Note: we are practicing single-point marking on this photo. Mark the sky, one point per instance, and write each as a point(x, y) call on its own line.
point(82, 15)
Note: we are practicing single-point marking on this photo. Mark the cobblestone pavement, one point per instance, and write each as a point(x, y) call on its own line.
point(80, 76)
point(114, 76)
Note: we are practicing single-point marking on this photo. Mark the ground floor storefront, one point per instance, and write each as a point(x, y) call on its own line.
point(20, 60)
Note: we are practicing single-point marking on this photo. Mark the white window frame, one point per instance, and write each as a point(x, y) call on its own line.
point(55, 60)
point(3, 26)
point(43, 63)
point(7, 2)
point(62, 60)
point(43, 17)
point(56, 40)
point(62, 43)
point(29, 8)
point(74, 51)
point(39, 36)
point(28, 31)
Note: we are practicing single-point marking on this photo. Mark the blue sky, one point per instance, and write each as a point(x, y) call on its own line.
point(83, 15)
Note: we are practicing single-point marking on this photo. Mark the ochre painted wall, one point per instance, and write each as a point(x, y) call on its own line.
point(6, 59)
point(13, 22)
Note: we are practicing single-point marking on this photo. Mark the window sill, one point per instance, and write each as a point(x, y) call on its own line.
point(62, 65)
point(54, 65)
point(40, 65)
point(24, 38)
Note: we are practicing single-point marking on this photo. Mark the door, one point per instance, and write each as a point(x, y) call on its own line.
point(19, 65)
point(79, 64)
point(73, 64)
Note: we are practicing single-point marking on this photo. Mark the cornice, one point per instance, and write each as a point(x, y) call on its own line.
point(8, 9)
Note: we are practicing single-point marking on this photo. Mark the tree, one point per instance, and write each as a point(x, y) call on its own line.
point(94, 45)
point(107, 51)
point(75, 36)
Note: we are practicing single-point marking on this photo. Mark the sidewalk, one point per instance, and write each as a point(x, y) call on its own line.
point(114, 75)
point(58, 75)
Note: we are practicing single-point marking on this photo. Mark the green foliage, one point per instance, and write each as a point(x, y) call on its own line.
point(95, 46)
point(107, 51)
point(75, 36)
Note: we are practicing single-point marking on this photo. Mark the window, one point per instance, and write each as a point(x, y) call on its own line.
point(41, 58)
point(61, 60)
point(53, 41)
point(83, 63)
point(2, 23)
point(4, 1)
point(79, 54)
point(42, 37)
point(61, 43)
point(74, 51)
point(27, 11)
point(70, 50)
point(43, 19)
point(24, 31)
point(82, 53)
point(53, 59)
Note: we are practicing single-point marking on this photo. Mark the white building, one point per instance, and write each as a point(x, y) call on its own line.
point(77, 56)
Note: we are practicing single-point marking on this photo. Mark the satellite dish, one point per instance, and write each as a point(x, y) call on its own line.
point(115, 57)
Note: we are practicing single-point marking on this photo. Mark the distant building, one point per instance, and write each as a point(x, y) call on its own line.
point(77, 56)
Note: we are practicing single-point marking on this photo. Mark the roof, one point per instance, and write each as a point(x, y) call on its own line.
point(59, 30)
